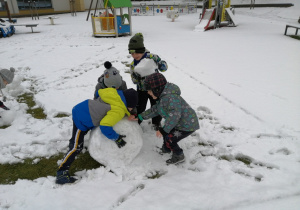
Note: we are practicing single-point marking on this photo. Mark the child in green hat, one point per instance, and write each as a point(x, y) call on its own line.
point(144, 63)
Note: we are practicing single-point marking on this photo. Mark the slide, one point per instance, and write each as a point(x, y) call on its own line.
point(206, 21)
point(232, 17)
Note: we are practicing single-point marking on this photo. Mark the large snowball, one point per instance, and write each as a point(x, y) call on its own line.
point(107, 152)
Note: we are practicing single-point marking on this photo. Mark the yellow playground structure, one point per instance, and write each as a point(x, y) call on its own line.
point(113, 20)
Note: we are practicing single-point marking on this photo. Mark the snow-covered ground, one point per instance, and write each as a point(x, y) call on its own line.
point(242, 81)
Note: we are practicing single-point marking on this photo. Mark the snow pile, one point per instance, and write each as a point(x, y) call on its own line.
point(107, 152)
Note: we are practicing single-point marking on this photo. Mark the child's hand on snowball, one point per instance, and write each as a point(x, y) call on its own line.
point(132, 118)
point(158, 134)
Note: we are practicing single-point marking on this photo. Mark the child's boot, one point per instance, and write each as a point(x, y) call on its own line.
point(176, 159)
point(63, 177)
point(164, 150)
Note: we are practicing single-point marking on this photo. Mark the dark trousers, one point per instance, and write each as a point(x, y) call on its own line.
point(172, 138)
point(75, 147)
point(142, 104)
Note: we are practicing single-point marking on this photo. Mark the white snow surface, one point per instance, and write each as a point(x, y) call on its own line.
point(243, 82)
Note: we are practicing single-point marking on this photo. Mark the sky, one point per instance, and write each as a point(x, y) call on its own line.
point(243, 82)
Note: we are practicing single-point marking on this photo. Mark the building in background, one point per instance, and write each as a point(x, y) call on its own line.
point(20, 8)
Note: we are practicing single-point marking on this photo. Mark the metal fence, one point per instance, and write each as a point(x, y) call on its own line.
point(151, 9)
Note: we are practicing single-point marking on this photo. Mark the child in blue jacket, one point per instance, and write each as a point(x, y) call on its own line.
point(109, 108)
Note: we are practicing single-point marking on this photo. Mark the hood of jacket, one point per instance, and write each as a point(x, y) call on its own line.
point(112, 97)
point(170, 88)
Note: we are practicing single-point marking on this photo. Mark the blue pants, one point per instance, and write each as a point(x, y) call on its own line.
point(75, 147)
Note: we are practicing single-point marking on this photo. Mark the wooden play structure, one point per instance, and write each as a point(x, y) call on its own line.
point(218, 16)
point(114, 18)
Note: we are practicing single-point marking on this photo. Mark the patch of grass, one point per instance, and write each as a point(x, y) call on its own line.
point(4, 126)
point(157, 175)
point(295, 37)
point(246, 160)
point(61, 115)
point(225, 157)
point(10, 173)
point(228, 128)
point(206, 144)
point(206, 154)
point(263, 165)
point(258, 178)
point(38, 112)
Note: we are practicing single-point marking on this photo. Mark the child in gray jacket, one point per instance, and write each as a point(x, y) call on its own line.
point(6, 77)
point(110, 78)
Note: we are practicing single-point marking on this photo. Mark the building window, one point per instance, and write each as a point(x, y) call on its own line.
point(2, 6)
point(39, 4)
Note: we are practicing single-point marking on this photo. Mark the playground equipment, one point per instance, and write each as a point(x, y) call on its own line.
point(172, 14)
point(252, 4)
point(51, 18)
point(114, 20)
point(156, 9)
point(73, 7)
point(214, 17)
point(6, 29)
point(33, 10)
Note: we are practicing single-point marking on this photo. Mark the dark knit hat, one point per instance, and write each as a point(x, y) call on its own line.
point(7, 75)
point(155, 82)
point(136, 44)
point(112, 77)
point(131, 97)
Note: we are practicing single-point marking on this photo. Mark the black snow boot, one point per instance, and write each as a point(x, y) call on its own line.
point(176, 159)
point(164, 150)
point(63, 177)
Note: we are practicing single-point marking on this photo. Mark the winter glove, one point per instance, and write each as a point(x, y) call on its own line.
point(136, 76)
point(120, 142)
point(162, 66)
point(4, 98)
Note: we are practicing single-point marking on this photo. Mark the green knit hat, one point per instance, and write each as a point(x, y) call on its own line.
point(136, 44)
